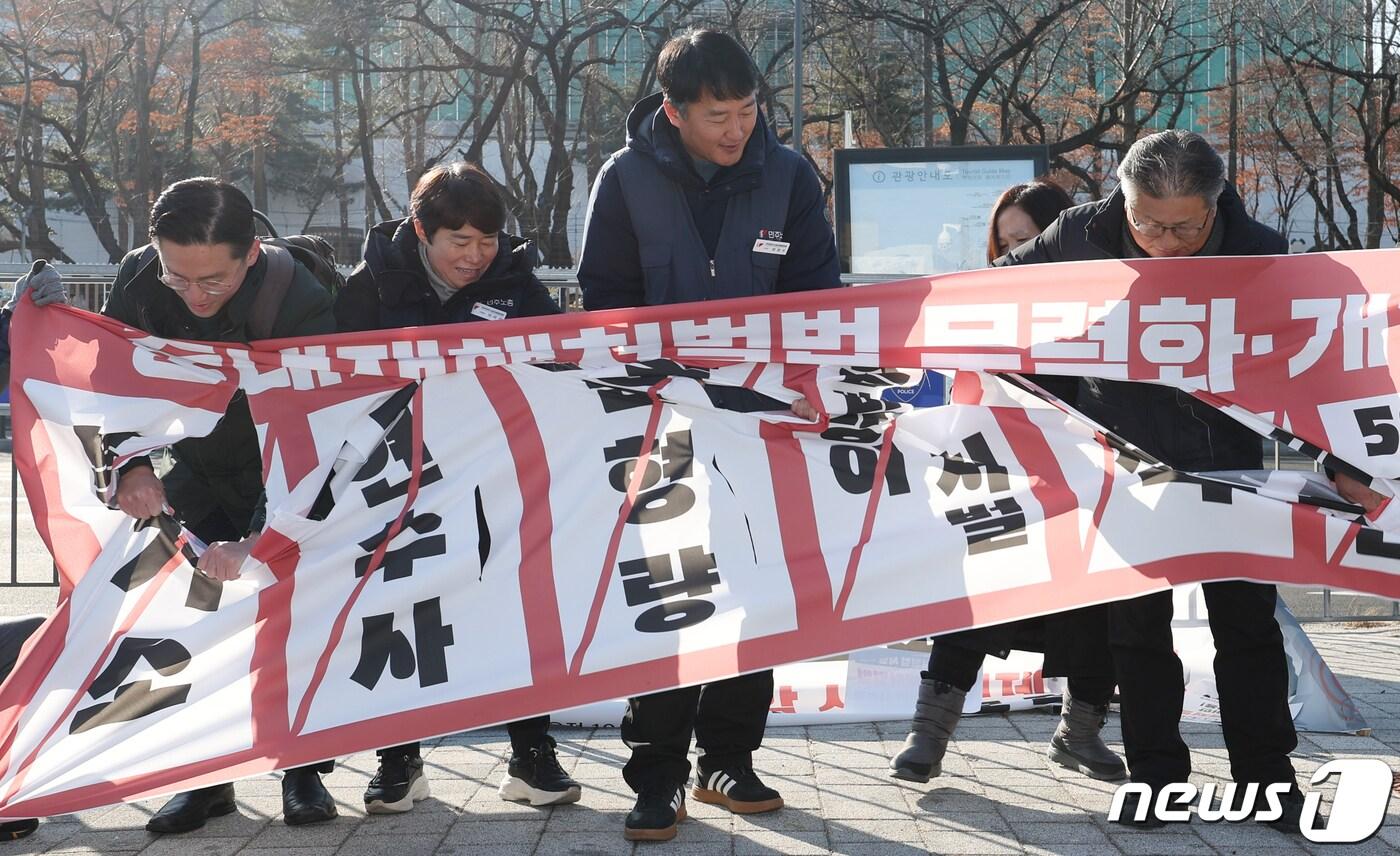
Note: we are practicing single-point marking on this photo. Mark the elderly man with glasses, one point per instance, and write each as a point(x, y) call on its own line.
point(1173, 201)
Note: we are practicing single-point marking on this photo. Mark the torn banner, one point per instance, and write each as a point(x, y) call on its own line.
point(468, 525)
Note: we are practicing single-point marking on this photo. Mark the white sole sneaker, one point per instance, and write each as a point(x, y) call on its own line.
point(417, 792)
point(518, 790)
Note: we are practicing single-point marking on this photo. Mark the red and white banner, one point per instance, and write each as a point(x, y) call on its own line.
point(471, 524)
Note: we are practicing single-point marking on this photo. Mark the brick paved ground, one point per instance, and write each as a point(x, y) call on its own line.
point(997, 795)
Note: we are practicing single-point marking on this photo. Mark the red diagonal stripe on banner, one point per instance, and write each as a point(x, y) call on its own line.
point(539, 598)
point(338, 628)
point(1101, 505)
point(877, 489)
point(36, 658)
point(797, 527)
point(268, 669)
point(1344, 545)
point(1309, 532)
point(754, 374)
point(614, 540)
point(1064, 552)
point(803, 379)
point(152, 588)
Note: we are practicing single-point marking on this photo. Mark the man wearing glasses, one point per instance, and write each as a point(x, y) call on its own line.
point(1173, 201)
point(206, 277)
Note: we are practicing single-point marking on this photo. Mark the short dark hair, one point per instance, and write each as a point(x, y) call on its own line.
point(450, 196)
point(204, 210)
point(1172, 164)
point(1041, 199)
point(703, 61)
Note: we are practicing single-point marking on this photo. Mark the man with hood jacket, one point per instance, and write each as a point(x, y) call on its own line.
point(702, 204)
point(449, 262)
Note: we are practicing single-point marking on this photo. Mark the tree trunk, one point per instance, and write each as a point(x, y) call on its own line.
point(342, 194)
point(1234, 75)
point(374, 195)
point(141, 181)
point(185, 168)
point(926, 107)
point(260, 176)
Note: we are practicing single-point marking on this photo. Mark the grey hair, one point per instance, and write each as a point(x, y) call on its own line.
point(1172, 164)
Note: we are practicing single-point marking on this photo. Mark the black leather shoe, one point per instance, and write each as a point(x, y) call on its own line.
point(1132, 804)
point(1292, 818)
point(188, 811)
point(14, 830)
point(304, 798)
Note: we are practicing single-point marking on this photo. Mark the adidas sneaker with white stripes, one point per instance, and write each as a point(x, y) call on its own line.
point(737, 789)
point(656, 814)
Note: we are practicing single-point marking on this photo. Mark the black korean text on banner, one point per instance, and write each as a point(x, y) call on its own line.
point(672, 587)
point(629, 390)
point(382, 645)
point(988, 526)
point(134, 699)
point(856, 457)
point(99, 448)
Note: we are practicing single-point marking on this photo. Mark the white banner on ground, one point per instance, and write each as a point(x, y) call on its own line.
point(880, 684)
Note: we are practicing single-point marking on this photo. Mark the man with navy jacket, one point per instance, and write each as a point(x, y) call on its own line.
point(702, 204)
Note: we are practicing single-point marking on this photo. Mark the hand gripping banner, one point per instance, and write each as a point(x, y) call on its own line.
point(472, 524)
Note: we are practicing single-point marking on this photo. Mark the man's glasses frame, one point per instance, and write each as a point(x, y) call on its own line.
point(1185, 232)
point(212, 288)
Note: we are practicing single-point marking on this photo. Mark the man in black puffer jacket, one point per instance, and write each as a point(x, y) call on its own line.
point(1173, 201)
point(450, 262)
point(485, 276)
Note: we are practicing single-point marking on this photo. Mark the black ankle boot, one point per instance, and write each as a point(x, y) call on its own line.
point(935, 718)
point(304, 798)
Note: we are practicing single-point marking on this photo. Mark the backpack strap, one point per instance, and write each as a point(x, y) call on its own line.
point(147, 258)
point(277, 281)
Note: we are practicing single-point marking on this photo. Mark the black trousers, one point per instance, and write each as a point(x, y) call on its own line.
point(219, 526)
point(14, 632)
point(1251, 675)
point(1075, 644)
point(727, 718)
point(956, 665)
point(525, 734)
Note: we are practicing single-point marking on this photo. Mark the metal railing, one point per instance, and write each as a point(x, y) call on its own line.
point(13, 580)
point(88, 285)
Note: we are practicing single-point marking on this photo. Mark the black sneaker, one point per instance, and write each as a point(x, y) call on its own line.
point(737, 789)
point(656, 814)
point(14, 830)
point(397, 785)
point(538, 779)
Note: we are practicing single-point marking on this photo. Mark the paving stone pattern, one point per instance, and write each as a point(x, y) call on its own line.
point(998, 795)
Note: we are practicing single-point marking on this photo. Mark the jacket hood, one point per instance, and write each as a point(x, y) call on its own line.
point(391, 253)
point(651, 134)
